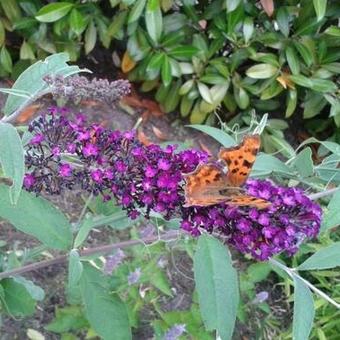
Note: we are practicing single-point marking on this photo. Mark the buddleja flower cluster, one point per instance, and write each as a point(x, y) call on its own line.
point(65, 153)
point(77, 88)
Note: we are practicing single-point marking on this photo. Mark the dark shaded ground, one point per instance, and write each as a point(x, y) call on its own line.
point(179, 268)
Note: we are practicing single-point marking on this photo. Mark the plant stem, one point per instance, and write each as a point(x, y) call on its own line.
point(292, 273)
point(104, 249)
point(323, 193)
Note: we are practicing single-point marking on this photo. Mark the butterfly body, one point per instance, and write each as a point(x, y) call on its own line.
point(210, 184)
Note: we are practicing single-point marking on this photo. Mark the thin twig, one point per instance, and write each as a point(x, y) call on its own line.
point(104, 249)
point(323, 193)
point(292, 273)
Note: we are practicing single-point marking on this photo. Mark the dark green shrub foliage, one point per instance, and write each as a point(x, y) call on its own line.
point(196, 55)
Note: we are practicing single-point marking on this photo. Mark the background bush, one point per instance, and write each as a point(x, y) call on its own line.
point(196, 55)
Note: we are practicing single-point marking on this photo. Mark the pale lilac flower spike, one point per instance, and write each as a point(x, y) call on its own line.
point(113, 261)
point(174, 332)
point(134, 276)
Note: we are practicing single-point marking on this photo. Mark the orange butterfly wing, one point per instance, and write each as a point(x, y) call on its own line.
point(209, 185)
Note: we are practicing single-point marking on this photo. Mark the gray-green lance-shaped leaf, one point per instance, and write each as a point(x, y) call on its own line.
point(324, 258)
point(217, 286)
point(331, 218)
point(105, 311)
point(75, 268)
point(54, 11)
point(215, 133)
point(17, 300)
point(37, 217)
point(303, 310)
point(31, 80)
point(12, 159)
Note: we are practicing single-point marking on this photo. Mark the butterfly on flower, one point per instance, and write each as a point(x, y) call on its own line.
point(212, 184)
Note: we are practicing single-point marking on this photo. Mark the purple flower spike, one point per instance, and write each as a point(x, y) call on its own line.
point(145, 179)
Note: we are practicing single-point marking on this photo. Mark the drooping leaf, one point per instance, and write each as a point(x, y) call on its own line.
point(12, 159)
point(105, 311)
point(303, 310)
point(37, 217)
point(223, 138)
point(217, 286)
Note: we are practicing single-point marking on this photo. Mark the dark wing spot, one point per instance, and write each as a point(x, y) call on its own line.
point(247, 164)
point(234, 171)
point(254, 152)
point(236, 162)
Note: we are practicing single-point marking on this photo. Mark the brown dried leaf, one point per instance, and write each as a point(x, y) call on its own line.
point(142, 137)
point(127, 63)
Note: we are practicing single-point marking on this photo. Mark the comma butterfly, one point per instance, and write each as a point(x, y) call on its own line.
point(210, 184)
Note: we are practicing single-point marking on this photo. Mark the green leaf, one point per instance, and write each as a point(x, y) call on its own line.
point(331, 218)
point(53, 12)
point(90, 37)
point(105, 311)
point(248, 28)
point(215, 133)
point(305, 51)
point(17, 300)
point(282, 19)
point(75, 269)
point(12, 159)
point(77, 21)
point(303, 310)
point(136, 11)
point(26, 51)
point(292, 60)
point(31, 80)
point(304, 163)
point(166, 71)
point(11, 9)
point(183, 52)
point(2, 34)
point(331, 30)
point(154, 20)
point(323, 259)
point(267, 164)
point(36, 292)
point(261, 71)
point(217, 286)
point(291, 102)
point(37, 217)
point(205, 93)
point(5, 59)
point(232, 5)
point(320, 7)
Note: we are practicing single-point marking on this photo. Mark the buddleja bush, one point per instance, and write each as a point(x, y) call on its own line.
point(60, 151)
point(198, 55)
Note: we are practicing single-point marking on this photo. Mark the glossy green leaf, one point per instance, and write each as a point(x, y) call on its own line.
point(2, 34)
point(303, 310)
point(136, 11)
point(323, 259)
point(37, 217)
point(320, 7)
point(77, 21)
point(232, 5)
point(11, 9)
point(291, 102)
point(186, 105)
point(216, 285)
point(12, 159)
point(331, 218)
point(282, 18)
point(53, 11)
point(248, 28)
point(105, 311)
point(17, 300)
point(6, 59)
point(205, 92)
point(305, 52)
point(183, 52)
point(90, 37)
point(219, 135)
point(261, 71)
point(154, 20)
point(26, 51)
point(241, 97)
point(166, 71)
point(331, 30)
point(292, 60)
